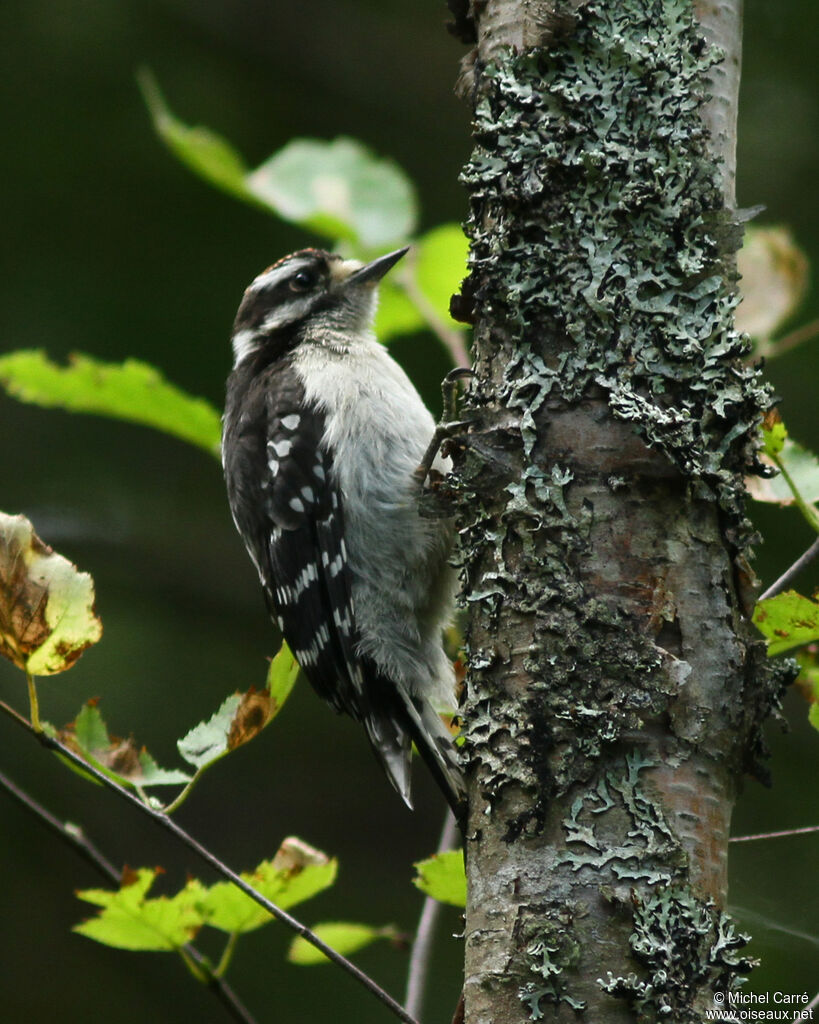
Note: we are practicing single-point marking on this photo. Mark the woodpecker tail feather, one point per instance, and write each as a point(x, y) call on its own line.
point(392, 731)
point(393, 748)
point(435, 745)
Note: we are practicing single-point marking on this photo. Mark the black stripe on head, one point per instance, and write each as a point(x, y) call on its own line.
point(280, 297)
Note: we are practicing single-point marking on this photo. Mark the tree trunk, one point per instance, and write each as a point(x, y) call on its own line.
point(615, 689)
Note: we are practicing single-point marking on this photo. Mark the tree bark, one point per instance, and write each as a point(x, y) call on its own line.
point(615, 688)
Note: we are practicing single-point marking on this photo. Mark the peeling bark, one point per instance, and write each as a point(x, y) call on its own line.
point(615, 689)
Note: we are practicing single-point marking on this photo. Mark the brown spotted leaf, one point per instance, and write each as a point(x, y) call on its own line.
point(47, 615)
point(242, 716)
point(250, 717)
point(122, 759)
point(296, 873)
point(787, 620)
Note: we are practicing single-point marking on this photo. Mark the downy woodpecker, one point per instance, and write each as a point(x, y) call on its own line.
point(323, 435)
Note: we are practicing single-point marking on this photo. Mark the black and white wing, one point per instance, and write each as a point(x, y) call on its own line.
point(295, 535)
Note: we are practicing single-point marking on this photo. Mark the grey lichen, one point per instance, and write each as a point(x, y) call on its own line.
point(685, 946)
point(606, 233)
point(602, 259)
point(648, 851)
point(601, 273)
point(547, 955)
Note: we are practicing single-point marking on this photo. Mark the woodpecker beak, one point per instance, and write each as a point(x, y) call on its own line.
point(371, 273)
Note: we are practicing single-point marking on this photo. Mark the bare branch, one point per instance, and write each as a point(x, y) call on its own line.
point(421, 954)
point(204, 854)
point(789, 574)
point(76, 838)
point(775, 835)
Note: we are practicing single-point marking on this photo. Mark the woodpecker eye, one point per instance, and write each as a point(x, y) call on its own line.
point(303, 280)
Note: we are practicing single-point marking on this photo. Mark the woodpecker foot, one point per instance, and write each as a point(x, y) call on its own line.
point(449, 425)
point(449, 390)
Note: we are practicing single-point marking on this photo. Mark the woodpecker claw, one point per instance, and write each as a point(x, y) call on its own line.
point(449, 390)
point(449, 425)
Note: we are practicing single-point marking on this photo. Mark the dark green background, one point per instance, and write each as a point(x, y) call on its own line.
point(113, 249)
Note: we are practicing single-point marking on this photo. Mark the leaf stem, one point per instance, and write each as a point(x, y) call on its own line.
point(779, 347)
point(182, 796)
point(204, 854)
point(227, 955)
point(201, 973)
point(76, 838)
point(34, 704)
point(450, 338)
point(807, 510)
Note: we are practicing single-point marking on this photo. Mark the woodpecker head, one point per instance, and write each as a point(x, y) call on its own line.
point(310, 294)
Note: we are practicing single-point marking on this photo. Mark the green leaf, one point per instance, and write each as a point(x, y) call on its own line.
point(441, 266)
point(130, 391)
point(774, 435)
point(152, 775)
point(338, 189)
point(808, 681)
point(442, 877)
point(345, 937)
point(281, 678)
point(130, 920)
point(203, 151)
point(90, 731)
point(787, 620)
point(121, 759)
point(207, 742)
point(419, 291)
point(242, 716)
point(800, 465)
point(47, 614)
point(297, 873)
point(396, 315)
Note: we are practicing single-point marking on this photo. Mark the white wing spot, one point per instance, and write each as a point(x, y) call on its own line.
point(292, 421)
point(308, 495)
point(281, 448)
point(308, 575)
point(273, 466)
point(306, 657)
point(343, 623)
point(296, 504)
point(318, 471)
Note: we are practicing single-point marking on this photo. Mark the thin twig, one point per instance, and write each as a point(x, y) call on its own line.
point(791, 340)
point(775, 835)
point(71, 834)
point(789, 574)
point(219, 866)
point(421, 954)
point(450, 337)
point(81, 844)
